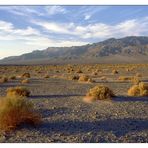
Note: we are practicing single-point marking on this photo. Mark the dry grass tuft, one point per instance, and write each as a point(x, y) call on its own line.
point(99, 93)
point(91, 80)
point(18, 91)
point(3, 80)
point(12, 77)
point(74, 77)
point(25, 81)
point(103, 78)
point(46, 76)
point(124, 78)
point(135, 80)
point(83, 78)
point(15, 111)
point(79, 71)
point(138, 75)
point(115, 72)
point(138, 90)
point(94, 73)
point(26, 75)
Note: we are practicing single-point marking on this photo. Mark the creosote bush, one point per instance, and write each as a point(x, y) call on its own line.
point(18, 91)
point(138, 90)
point(99, 93)
point(15, 111)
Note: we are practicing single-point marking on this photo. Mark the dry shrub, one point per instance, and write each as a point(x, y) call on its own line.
point(15, 111)
point(70, 70)
point(94, 73)
point(115, 72)
point(91, 80)
point(79, 71)
point(99, 93)
point(123, 78)
point(25, 81)
point(57, 71)
point(83, 78)
point(138, 90)
point(46, 76)
point(138, 75)
point(3, 80)
point(18, 91)
point(74, 77)
point(26, 75)
point(103, 78)
point(12, 77)
point(127, 69)
point(135, 80)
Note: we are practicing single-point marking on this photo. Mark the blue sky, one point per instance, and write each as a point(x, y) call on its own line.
point(27, 28)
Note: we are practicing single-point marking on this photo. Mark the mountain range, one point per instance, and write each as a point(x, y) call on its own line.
point(131, 49)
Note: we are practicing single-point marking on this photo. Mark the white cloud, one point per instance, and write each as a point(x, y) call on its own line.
point(51, 10)
point(87, 17)
point(22, 10)
point(54, 27)
point(5, 26)
point(98, 30)
point(9, 32)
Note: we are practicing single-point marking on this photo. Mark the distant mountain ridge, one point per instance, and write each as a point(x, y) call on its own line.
point(127, 49)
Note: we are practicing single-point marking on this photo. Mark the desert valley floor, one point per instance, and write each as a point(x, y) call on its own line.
point(58, 97)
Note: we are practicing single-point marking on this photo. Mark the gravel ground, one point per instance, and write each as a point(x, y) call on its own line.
point(66, 118)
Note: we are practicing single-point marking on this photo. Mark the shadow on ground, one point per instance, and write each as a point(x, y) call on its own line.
point(129, 99)
point(119, 127)
point(54, 96)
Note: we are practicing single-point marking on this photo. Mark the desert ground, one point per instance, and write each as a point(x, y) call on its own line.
point(58, 96)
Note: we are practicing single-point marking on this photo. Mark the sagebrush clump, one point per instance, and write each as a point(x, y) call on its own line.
point(99, 93)
point(18, 91)
point(15, 111)
point(138, 90)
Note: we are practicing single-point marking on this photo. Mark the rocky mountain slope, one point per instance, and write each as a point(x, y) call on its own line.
point(127, 49)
